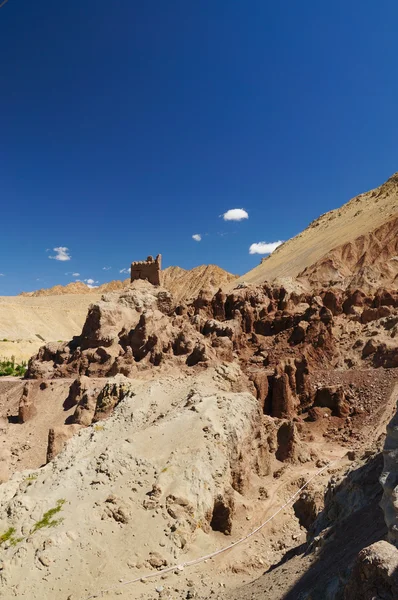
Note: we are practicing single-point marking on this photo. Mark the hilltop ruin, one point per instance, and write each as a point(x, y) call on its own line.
point(148, 269)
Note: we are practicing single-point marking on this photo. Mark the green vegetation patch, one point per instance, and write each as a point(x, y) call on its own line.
point(47, 519)
point(8, 536)
point(9, 367)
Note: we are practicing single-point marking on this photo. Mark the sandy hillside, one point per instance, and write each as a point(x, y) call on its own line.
point(342, 243)
point(77, 288)
point(27, 322)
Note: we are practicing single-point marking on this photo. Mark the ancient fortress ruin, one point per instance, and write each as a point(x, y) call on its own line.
point(148, 269)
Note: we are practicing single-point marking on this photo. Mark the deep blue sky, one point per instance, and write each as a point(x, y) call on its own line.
point(126, 127)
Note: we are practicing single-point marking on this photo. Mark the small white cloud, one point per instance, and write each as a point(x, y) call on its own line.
point(106, 268)
point(197, 237)
point(2, 275)
point(264, 247)
point(124, 271)
point(62, 253)
point(75, 274)
point(235, 214)
point(91, 283)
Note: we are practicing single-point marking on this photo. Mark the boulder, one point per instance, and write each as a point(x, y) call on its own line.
point(375, 574)
point(372, 314)
point(369, 348)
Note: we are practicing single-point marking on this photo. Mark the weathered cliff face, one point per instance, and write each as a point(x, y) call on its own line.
point(366, 262)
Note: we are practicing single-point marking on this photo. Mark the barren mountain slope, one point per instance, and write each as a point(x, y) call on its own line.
point(187, 284)
point(342, 243)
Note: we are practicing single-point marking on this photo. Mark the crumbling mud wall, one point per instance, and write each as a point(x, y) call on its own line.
point(148, 269)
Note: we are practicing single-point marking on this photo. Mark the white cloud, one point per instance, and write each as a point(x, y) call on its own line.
point(235, 214)
point(2, 275)
point(264, 247)
point(106, 268)
point(197, 237)
point(91, 283)
point(75, 274)
point(124, 271)
point(62, 253)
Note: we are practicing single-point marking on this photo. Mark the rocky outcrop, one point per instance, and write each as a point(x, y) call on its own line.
point(57, 438)
point(290, 448)
point(27, 409)
point(284, 403)
point(289, 389)
point(109, 397)
point(332, 397)
point(276, 335)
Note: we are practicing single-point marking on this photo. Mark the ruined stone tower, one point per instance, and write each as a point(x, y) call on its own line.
point(148, 269)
